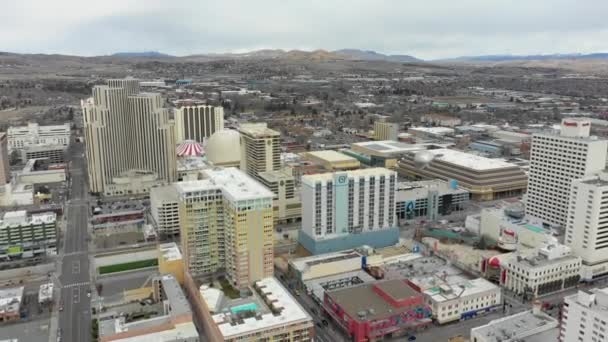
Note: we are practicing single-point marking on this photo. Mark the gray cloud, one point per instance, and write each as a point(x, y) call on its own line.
point(426, 29)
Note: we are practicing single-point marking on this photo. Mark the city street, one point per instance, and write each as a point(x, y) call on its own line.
point(75, 318)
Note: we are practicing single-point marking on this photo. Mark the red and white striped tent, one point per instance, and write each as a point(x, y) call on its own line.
point(189, 148)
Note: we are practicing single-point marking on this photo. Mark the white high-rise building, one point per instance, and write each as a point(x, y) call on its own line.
point(198, 122)
point(130, 139)
point(585, 316)
point(343, 210)
point(557, 160)
point(587, 227)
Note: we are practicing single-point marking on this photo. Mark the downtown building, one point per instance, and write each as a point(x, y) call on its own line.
point(197, 122)
point(35, 141)
point(344, 210)
point(587, 224)
point(130, 139)
point(557, 160)
point(585, 316)
point(260, 149)
point(227, 226)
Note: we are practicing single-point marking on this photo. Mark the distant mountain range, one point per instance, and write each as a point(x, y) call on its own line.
point(339, 55)
point(153, 54)
point(368, 55)
point(507, 58)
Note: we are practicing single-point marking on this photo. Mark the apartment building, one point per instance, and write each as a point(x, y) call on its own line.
point(227, 226)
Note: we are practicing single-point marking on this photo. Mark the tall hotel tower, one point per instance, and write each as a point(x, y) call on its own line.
point(557, 160)
point(198, 122)
point(130, 139)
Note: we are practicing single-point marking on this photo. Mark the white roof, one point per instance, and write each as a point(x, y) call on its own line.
point(235, 185)
point(45, 292)
point(389, 146)
point(469, 161)
point(291, 312)
point(433, 130)
point(212, 296)
point(461, 290)
point(331, 156)
point(376, 171)
point(170, 251)
point(10, 299)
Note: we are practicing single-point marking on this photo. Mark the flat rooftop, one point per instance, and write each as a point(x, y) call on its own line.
point(235, 185)
point(368, 301)
point(331, 156)
point(387, 147)
point(517, 327)
point(285, 310)
point(276, 176)
point(170, 251)
point(257, 130)
point(376, 171)
point(420, 189)
point(469, 161)
point(462, 289)
point(433, 130)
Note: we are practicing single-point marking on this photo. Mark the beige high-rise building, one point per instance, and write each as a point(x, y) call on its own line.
point(227, 226)
point(260, 149)
point(198, 122)
point(5, 171)
point(130, 139)
point(386, 130)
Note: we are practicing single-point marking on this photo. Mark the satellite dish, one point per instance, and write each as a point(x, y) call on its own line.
point(422, 159)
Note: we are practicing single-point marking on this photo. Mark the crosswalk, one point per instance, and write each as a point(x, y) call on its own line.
point(86, 283)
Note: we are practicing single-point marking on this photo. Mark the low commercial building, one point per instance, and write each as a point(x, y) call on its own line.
point(170, 261)
point(10, 304)
point(164, 209)
point(173, 324)
point(34, 141)
point(39, 171)
point(287, 203)
point(270, 314)
point(550, 268)
point(25, 236)
point(370, 312)
point(486, 179)
point(508, 227)
point(429, 199)
point(114, 215)
point(489, 148)
point(440, 120)
point(585, 316)
point(384, 153)
point(431, 132)
point(527, 326)
point(464, 300)
point(332, 160)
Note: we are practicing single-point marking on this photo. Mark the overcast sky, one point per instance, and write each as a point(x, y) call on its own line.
point(426, 29)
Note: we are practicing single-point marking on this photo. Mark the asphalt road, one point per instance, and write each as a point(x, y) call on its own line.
point(75, 319)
